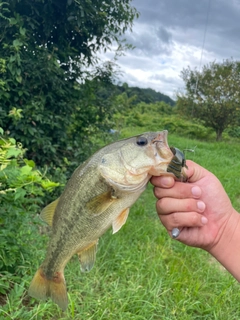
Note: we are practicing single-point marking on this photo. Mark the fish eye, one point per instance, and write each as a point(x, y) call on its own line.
point(142, 141)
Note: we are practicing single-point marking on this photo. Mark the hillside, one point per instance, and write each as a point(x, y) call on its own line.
point(146, 95)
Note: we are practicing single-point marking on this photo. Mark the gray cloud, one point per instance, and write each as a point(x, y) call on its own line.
point(164, 35)
point(150, 39)
point(169, 35)
point(190, 17)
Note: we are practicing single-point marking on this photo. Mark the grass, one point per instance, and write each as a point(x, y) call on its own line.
point(140, 272)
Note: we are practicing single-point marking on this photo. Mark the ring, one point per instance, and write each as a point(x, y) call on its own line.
point(175, 233)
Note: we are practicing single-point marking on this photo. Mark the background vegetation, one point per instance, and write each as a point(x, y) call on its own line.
point(59, 104)
point(140, 273)
point(212, 95)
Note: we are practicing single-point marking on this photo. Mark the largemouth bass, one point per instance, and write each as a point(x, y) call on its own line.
point(98, 196)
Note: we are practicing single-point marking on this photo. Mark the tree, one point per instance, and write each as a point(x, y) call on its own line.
point(212, 95)
point(46, 46)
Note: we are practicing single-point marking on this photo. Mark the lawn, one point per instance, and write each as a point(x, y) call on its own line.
point(140, 272)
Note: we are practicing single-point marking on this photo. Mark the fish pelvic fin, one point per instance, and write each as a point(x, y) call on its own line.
point(55, 288)
point(120, 220)
point(87, 257)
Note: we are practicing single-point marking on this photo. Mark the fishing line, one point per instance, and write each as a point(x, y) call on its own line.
point(175, 231)
point(203, 45)
point(200, 65)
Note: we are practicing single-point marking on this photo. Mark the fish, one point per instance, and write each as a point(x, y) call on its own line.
point(98, 196)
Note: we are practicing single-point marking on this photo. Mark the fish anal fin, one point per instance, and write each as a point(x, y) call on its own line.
point(48, 212)
point(55, 288)
point(120, 220)
point(101, 202)
point(87, 257)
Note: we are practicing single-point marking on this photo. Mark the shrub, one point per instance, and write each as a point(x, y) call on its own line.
point(22, 188)
point(234, 132)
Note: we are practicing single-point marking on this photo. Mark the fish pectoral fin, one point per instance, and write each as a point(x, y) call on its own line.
point(101, 202)
point(48, 212)
point(120, 220)
point(87, 257)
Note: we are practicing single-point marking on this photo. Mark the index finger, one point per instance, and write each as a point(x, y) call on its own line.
point(163, 181)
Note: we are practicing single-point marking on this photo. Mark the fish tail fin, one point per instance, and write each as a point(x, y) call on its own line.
point(55, 288)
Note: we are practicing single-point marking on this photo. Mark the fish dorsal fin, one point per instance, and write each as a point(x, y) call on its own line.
point(120, 220)
point(48, 212)
point(87, 257)
point(101, 202)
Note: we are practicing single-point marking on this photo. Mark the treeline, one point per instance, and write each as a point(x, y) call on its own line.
point(146, 95)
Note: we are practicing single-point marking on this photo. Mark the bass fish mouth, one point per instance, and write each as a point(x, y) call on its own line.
point(177, 164)
point(162, 138)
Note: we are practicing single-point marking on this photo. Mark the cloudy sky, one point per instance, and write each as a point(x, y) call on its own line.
point(169, 36)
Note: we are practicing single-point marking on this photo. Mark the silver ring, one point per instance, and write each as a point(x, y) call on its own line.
point(175, 233)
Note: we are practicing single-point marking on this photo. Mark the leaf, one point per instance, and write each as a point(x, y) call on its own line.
point(26, 170)
point(12, 58)
point(30, 163)
point(17, 43)
point(12, 141)
point(22, 31)
point(20, 193)
point(48, 185)
point(13, 152)
point(13, 21)
point(19, 79)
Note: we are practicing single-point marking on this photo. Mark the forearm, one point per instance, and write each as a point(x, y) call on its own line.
point(227, 249)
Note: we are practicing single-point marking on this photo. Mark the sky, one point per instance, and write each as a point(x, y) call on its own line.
point(171, 35)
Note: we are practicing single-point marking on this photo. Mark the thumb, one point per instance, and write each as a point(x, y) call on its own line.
point(195, 172)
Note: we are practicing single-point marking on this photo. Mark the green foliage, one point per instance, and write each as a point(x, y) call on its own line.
point(212, 95)
point(22, 189)
point(144, 114)
point(45, 49)
point(183, 127)
point(234, 132)
point(74, 31)
point(139, 95)
point(156, 117)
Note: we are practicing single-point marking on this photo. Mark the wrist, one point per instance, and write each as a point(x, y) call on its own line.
point(227, 248)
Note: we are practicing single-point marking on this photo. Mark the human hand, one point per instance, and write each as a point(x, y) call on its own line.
point(200, 208)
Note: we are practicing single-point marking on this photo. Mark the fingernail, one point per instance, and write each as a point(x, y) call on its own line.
point(204, 220)
point(201, 206)
point(196, 191)
point(175, 233)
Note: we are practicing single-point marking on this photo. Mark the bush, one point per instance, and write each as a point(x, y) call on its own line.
point(234, 132)
point(22, 188)
point(190, 129)
point(159, 116)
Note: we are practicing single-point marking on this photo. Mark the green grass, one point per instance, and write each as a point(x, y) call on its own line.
point(140, 272)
